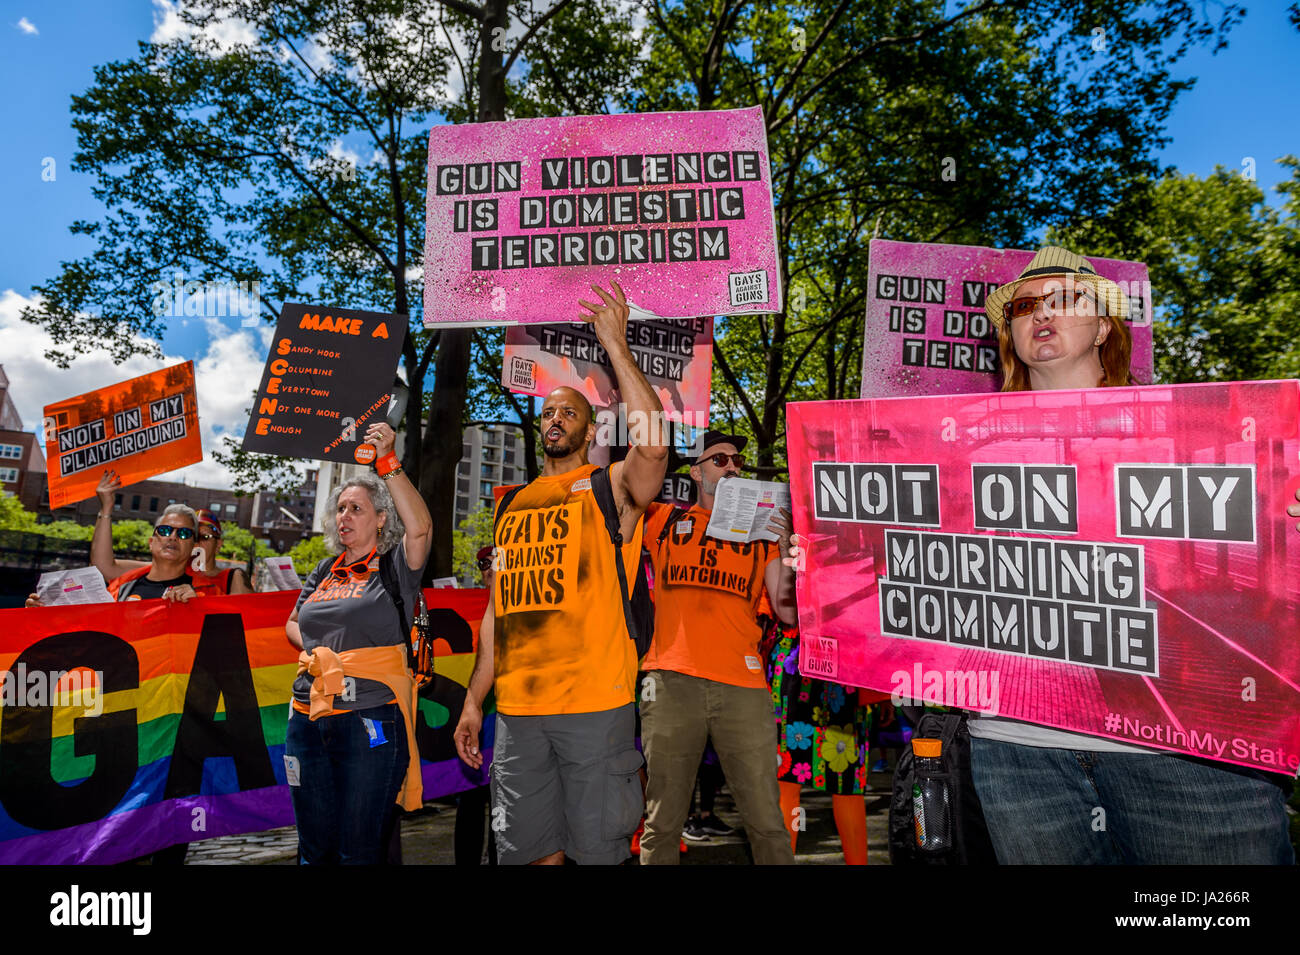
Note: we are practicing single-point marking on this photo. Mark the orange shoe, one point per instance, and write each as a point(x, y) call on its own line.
point(636, 838)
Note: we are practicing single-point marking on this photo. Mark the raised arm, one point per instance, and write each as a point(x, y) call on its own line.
point(410, 505)
point(101, 544)
point(779, 575)
point(639, 478)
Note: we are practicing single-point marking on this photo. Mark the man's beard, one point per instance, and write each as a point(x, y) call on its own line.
point(564, 447)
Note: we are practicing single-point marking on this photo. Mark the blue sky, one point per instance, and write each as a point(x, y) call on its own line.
point(1245, 104)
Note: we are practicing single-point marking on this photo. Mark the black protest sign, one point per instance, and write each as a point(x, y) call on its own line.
point(328, 377)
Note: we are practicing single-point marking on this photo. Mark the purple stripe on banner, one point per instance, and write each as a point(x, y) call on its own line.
point(140, 832)
point(133, 833)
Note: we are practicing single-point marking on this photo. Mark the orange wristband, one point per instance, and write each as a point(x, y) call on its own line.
point(387, 463)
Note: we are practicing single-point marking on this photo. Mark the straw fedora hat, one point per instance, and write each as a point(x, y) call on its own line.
point(1053, 260)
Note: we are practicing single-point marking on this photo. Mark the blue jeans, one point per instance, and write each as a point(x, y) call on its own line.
point(1068, 807)
point(347, 788)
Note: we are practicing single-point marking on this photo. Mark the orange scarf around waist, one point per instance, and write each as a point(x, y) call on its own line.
point(385, 665)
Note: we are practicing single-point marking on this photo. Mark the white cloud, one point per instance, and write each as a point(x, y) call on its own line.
point(226, 32)
point(226, 375)
point(27, 27)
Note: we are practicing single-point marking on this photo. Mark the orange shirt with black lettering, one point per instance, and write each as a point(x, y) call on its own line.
point(706, 594)
point(561, 643)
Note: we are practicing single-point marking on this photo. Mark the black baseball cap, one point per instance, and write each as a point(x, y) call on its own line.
point(718, 437)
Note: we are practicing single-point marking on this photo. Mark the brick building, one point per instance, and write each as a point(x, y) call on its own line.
point(22, 463)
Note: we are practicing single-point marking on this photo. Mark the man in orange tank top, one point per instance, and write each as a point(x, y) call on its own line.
point(565, 768)
point(705, 667)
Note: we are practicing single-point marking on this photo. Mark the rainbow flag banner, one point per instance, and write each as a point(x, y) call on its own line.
point(126, 728)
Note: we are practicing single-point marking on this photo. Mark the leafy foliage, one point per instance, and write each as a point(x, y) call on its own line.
point(1223, 276)
point(474, 532)
point(306, 554)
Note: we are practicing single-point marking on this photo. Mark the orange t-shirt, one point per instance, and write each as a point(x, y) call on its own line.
point(561, 643)
point(707, 594)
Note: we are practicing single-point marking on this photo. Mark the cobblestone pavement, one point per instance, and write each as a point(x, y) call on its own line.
point(427, 837)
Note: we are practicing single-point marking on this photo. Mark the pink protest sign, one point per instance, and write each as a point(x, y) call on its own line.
point(926, 331)
point(522, 217)
point(1112, 561)
point(675, 355)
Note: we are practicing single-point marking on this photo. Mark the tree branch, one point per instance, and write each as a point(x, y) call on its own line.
point(519, 47)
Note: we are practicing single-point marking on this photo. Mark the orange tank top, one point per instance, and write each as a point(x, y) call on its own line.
point(561, 643)
point(707, 596)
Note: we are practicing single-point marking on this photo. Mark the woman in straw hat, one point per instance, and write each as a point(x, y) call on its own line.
point(1061, 325)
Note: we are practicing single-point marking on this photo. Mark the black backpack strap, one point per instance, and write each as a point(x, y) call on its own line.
point(603, 489)
point(388, 576)
point(675, 515)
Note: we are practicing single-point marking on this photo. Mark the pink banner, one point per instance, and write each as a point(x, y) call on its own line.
point(1112, 561)
point(522, 217)
point(926, 331)
point(676, 357)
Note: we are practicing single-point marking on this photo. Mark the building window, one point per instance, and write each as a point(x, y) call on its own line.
point(230, 510)
point(463, 486)
point(117, 502)
point(485, 470)
point(486, 501)
point(465, 450)
point(153, 505)
point(8, 475)
point(462, 503)
point(135, 502)
point(485, 488)
point(14, 451)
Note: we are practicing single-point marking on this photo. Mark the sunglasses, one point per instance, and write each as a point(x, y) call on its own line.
point(1058, 299)
point(165, 530)
point(485, 564)
point(720, 460)
point(209, 537)
point(358, 571)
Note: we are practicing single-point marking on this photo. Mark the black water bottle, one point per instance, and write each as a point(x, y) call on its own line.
point(931, 801)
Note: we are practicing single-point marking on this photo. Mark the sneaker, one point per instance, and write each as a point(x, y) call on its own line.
point(695, 830)
point(880, 766)
point(714, 826)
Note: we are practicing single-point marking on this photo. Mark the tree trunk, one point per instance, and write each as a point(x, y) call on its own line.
point(442, 444)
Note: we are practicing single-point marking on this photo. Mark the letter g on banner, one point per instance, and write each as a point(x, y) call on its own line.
point(28, 790)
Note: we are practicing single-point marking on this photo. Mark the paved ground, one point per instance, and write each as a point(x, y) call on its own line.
point(427, 837)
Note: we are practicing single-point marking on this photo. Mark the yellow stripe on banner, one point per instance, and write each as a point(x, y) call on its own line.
point(165, 695)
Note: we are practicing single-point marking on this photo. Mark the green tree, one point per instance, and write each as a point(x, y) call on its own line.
point(307, 554)
point(238, 544)
point(15, 517)
point(131, 537)
point(227, 159)
point(1223, 274)
point(977, 122)
point(473, 534)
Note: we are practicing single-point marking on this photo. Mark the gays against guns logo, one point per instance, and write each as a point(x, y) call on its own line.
point(537, 557)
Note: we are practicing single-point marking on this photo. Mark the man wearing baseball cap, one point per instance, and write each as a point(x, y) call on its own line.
point(705, 665)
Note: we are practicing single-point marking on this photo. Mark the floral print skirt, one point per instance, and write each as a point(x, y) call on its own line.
point(821, 728)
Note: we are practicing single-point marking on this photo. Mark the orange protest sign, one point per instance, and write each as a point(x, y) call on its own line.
point(145, 426)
